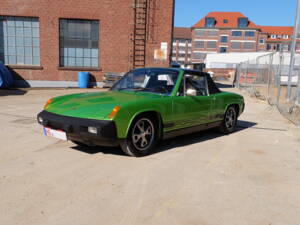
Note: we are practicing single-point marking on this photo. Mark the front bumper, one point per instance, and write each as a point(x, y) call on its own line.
point(77, 128)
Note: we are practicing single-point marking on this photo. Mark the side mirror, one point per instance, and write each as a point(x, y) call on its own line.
point(191, 92)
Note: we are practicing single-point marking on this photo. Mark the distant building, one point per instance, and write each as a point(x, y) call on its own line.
point(221, 32)
point(277, 38)
point(182, 45)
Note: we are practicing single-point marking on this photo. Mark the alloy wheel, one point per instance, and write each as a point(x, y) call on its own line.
point(143, 134)
point(230, 119)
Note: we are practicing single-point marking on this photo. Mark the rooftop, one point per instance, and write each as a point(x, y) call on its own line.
point(224, 20)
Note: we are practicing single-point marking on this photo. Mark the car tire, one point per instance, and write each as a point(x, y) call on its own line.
point(142, 137)
point(230, 120)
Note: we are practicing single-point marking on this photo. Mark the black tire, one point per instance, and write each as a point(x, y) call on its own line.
point(230, 120)
point(142, 137)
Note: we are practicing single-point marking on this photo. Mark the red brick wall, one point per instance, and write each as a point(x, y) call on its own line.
point(228, 32)
point(116, 29)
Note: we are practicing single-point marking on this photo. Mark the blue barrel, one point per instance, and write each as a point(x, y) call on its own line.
point(83, 79)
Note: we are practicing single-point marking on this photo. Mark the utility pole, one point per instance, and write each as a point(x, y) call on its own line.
point(293, 49)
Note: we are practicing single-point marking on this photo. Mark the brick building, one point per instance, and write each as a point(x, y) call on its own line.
point(182, 45)
point(47, 42)
point(277, 38)
point(221, 32)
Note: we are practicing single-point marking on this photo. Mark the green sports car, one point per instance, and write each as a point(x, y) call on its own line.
point(146, 105)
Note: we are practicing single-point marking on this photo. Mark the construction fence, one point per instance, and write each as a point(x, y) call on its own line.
point(267, 77)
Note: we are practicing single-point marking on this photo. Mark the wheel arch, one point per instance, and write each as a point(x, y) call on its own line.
point(235, 105)
point(152, 113)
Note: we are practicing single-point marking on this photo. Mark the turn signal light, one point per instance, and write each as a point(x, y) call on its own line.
point(114, 112)
point(48, 103)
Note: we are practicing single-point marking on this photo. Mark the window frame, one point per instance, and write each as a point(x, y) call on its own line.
point(207, 46)
point(245, 43)
point(81, 68)
point(237, 31)
point(240, 43)
point(211, 87)
point(192, 73)
point(224, 36)
point(21, 24)
point(249, 32)
point(208, 22)
point(241, 24)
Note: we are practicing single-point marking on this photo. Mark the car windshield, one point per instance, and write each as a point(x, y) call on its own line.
point(160, 81)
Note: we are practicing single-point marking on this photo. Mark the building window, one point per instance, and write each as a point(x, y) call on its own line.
point(211, 44)
point(20, 41)
point(223, 49)
point(243, 22)
point(285, 47)
point(199, 33)
point(249, 34)
point(210, 22)
point(248, 45)
point(236, 33)
point(236, 45)
point(199, 44)
point(273, 36)
point(261, 41)
point(212, 33)
point(182, 41)
point(285, 36)
point(224, 39)
point(79, 43)
point(269, 47)
point(225, 21)
point(199, 55)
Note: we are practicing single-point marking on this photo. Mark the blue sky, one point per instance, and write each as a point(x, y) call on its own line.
point(261, 12)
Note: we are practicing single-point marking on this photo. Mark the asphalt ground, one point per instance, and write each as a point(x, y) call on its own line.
point(251, 177)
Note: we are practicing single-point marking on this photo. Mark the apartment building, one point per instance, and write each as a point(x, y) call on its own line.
point(220, 32)
point(48, 42)
point(277, 38)
point(182, 45)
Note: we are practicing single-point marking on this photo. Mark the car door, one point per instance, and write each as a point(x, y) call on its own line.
point(217, 104)
point(192, 105)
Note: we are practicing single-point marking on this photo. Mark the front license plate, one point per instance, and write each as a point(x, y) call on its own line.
point(55, 133)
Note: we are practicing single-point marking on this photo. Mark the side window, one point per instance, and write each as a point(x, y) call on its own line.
point(197, 83)
point(212, 87)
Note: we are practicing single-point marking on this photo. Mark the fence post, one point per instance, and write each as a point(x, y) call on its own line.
point(238, 75)
point(246, 75)
point(279, 78)
point(298, 90)
point(292, 58)
point(269, 75)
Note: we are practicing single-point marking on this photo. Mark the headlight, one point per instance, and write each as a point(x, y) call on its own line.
point(40, 119)
point(114, 112)
point(48, 103)
point(93, 130)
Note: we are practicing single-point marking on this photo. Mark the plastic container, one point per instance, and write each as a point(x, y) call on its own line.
point(83, 79)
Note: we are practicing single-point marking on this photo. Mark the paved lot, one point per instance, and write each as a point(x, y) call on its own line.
point(250, 177)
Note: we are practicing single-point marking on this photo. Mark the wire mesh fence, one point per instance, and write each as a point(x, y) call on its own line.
point(267, 78)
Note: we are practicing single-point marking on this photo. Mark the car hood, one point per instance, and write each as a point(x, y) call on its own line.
point(95, 105)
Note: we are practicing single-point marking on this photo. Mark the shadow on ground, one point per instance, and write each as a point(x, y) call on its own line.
point(7, 92)
point(170, 144)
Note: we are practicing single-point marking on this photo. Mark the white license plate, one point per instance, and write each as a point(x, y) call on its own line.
point(55, 133)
